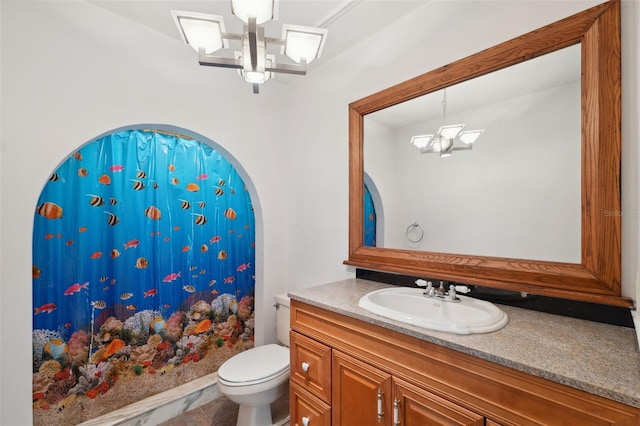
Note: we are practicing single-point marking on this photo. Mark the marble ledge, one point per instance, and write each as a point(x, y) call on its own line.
point(163, 406)
point(598, 358)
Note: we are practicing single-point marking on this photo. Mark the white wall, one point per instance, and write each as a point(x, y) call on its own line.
point(63, 84)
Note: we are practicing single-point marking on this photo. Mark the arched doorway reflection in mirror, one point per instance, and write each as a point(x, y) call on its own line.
point(373, 215)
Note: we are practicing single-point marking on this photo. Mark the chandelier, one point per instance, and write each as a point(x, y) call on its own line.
point(445, 141)
point(207, 35)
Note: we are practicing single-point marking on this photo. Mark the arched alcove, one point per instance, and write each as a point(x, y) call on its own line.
point(143, 270)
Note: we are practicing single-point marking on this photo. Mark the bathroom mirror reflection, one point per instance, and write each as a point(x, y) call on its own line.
point(515, 194)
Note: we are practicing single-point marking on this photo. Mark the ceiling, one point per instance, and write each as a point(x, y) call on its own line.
point(348, 21)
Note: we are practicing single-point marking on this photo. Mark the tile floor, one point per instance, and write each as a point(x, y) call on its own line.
point(221, 412)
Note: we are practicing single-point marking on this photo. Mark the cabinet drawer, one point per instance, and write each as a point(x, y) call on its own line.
point(311, 365)
point(306, 409)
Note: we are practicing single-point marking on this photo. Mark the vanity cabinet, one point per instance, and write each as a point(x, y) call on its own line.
point(349, 372)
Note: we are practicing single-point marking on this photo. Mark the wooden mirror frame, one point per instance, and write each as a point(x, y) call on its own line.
point(598, 277)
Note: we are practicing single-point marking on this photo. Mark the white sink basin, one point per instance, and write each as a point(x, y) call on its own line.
point(410, 306)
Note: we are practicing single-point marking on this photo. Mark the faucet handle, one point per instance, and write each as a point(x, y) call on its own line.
point(421, 283)
point(462, 289)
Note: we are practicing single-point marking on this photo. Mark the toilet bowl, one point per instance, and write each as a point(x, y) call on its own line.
point(256, 378)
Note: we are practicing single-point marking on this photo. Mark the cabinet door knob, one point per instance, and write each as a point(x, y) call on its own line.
point(305, 366)
point(305, 421)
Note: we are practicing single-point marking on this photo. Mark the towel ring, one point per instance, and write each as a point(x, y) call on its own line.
point(414, 230)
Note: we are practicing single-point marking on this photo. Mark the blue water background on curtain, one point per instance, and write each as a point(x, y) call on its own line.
point(143, 228)
point(369, 219)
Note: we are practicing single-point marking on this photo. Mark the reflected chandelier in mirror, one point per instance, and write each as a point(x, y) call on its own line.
point(596, 276)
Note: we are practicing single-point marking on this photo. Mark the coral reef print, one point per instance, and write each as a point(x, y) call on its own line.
point(143, 252)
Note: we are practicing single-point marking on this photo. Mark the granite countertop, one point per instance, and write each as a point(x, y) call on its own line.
point(598, 358)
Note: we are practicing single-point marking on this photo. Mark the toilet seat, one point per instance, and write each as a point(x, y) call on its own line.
point(255, 366)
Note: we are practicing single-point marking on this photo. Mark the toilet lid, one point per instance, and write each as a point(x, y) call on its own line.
point(255, 364)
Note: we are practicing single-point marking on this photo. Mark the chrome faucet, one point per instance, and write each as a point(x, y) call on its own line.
point(442, 293)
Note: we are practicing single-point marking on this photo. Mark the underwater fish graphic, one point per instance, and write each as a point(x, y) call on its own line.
point(243, 267)
point(83, 229)
point(103, 278)
point(99, 304)
point(55, 177)
point(115, 253)
point(82, 172)
point(153, 212)
point(131, 244)
point(200, 219)
point(202, 204)
point(141, 174)
point(230, 213)
point(131, 307)
point(171, 277)
point(50, 210)
point(186, 249)
point(229, 280)
point(203, 176)
point(75, 288)
point(204, 248)
point(137, 185)
point(47, 307)
point(116, 168)
point(151, 293)
point(142, 263)
point(219, 191)
point(222, 255)
point(189, 288)
point(105, 180)
point(212, 282)
point(125, 296)
point(193, 187)
point(185, 205)
point(96, 200)
point(221, 182)
point(96, 255)
point(215, 239)
point(112, 220)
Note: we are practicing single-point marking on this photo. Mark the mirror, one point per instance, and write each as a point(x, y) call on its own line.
point(530, 117)
point(594, 274)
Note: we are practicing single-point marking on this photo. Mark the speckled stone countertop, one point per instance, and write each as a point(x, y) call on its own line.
point(598, 358)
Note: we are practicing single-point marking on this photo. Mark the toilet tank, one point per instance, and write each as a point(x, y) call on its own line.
point(283, 319)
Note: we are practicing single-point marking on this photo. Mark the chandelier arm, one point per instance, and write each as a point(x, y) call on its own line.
point(298, 69)
point(217, 61)
point(462, 148)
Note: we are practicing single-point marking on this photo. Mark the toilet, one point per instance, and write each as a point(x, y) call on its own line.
point(257, 377)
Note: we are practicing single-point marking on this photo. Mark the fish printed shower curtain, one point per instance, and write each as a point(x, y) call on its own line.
point(143, 255)
point(369, 219)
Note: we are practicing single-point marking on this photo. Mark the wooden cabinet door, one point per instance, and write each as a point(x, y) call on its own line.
point(306, 409)
point(414, 406)
point(361, 394)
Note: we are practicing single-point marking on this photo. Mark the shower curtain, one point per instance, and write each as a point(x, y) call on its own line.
point(143, 256)
point(369, 219)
